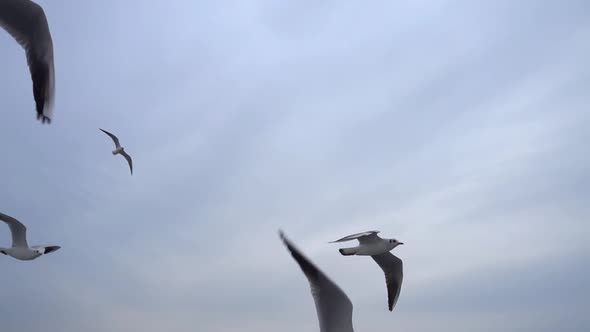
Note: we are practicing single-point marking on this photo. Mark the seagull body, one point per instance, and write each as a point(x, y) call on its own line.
point(370, 244)
point(118, 148)
point(333, 307)
point(20, 249)
point(25, 21)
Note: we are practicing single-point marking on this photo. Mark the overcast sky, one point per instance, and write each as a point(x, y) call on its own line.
point(457, 127)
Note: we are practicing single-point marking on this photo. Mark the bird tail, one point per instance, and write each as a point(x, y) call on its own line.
point(348, 251)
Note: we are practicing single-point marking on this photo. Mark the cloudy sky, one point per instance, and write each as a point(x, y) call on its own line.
point(457, 127)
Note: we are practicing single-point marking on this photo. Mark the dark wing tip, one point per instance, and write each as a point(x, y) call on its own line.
point(106, 132)
point(51, 249)
point(40, 76)
point(286, 241)
point(43, 118)
point(393, 292)
point(129, 161)
point(391, 298)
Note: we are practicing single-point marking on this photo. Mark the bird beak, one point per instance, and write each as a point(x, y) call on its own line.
point(400, 243)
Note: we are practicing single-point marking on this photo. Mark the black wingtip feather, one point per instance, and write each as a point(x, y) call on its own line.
point(51, 249)
point(44, 119)
point(39, 76)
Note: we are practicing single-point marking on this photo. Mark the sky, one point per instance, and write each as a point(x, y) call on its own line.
point(457, 127)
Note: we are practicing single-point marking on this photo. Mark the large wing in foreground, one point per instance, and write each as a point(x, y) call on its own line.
point(18, 230)
point(333, 307)
point(393, 269)
point(26, 22)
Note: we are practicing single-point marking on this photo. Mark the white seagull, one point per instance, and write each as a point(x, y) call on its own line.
point(370, 244)
point(333, 307)
point(119, 149)
point(25, 21)
point(20, 249)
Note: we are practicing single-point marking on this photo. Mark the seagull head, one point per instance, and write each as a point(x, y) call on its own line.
point(393, 243)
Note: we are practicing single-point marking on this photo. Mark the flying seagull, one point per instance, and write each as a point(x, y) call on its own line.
point(20, 249)
point(119, 149)
point(25, 21)
point(370, 244)
point(333, 307)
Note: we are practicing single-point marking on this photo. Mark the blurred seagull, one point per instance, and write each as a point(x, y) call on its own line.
point(370, 244)
point(119, 149)
point(25, 21)
point(20, 249)
point(333, 307)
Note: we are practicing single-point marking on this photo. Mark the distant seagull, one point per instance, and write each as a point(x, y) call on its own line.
point(119, 149)
point(25, 21)
point(333, 307)
point(20, 249)
point(370, 244)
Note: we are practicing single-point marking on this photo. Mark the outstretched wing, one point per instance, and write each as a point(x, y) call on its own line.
point(129, 161)
point(113, 137)
point(364, 237)
point(26, 22)
point(333, 307)
point(393, 269)
point(18, 230)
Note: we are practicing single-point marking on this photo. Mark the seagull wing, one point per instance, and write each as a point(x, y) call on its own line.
point(129, 161)
point(26, 22)
point(113, 137)
point(333, 307)
point(393, 269)
point(47, 249)
point(364, 237)
point(18, 230)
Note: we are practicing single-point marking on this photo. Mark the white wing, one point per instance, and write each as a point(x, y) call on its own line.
point(25, 21)
point(364, 237)
point(129, 161)
point(18, 230)
point(393, 269)
point(333, 307)
point(113, 137)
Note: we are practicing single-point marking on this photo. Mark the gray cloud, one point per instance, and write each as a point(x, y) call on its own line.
point(459, 128)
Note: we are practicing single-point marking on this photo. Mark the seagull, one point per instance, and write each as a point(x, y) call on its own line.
point(25, 21)
point(333, 307)
point(370, 244)
point(20, 249)
point(119, 149)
